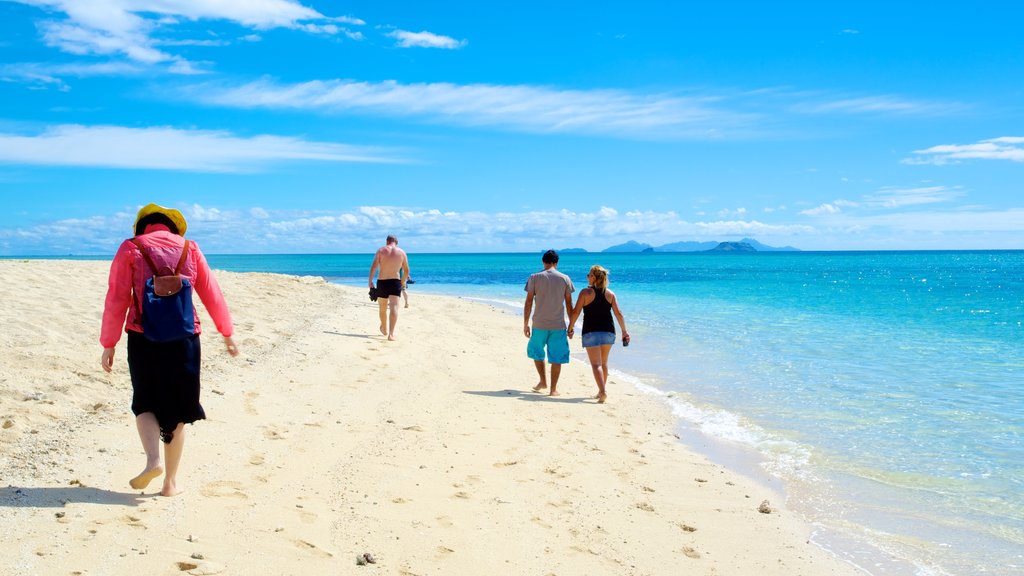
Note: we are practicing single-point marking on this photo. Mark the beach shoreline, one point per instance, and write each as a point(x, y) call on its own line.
point(324, 442)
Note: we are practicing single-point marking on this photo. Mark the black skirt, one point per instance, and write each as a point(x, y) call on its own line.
point(165, 380)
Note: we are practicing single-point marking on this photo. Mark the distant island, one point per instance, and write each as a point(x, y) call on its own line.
point(738, 246)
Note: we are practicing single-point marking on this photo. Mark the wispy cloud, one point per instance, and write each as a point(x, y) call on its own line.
point(1003, 148)
point(165, 148)
point(424, 39)
point(888, 198)
point(895, 197)
point(38, 75)
point(130, 28)
point(883, 104)
point(520, 108)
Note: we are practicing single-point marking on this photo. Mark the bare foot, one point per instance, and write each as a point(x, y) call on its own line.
point(601, 398)
point(391, 337)
point(539, 387)
point(553, 393)
point(171, 490)
point(383, 330)
point(147, 476)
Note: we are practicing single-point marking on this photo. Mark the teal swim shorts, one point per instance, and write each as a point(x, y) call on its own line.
point(556, 342)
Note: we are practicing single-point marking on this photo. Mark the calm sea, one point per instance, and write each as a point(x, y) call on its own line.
point(883, 390)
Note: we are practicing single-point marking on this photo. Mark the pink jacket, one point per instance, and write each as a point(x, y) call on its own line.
point(129, 272)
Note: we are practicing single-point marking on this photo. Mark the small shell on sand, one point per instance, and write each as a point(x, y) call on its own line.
point(765, 508)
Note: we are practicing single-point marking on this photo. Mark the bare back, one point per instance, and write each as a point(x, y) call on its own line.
point(391, 260)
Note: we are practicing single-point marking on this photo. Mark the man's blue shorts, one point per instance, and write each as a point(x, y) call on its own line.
point(556, 342)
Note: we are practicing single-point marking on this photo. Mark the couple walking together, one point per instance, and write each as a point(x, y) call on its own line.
point(549, 299)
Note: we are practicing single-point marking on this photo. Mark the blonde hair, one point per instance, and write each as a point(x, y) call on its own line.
point(600, 274)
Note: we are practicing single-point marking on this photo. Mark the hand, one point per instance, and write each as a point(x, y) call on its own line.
point(230, 344)
point(570, 331)
point(107, 359)
point(526, 331)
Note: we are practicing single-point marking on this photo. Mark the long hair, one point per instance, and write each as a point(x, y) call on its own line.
point(600, 274)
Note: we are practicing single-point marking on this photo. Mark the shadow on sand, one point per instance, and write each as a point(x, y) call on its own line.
point(348, 335)
point(527, 396)
point(15, 497)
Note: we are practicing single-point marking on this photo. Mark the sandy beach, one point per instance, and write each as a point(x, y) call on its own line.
point(324, 442)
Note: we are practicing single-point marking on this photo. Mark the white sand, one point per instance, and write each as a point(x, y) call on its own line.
point(325, 441)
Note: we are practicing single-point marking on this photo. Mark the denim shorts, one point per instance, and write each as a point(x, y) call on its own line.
point(556, 342)
point(591, 339)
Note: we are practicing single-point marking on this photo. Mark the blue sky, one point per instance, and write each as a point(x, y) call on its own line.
point(316, 126)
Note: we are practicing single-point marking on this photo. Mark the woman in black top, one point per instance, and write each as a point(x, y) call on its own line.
point(597, 304)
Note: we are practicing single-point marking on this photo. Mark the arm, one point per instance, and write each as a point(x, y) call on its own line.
point(373, 268)
point(403, 274)
point(527, 309)
point(115, 306)
point(618, 313)
point(213, 298)
point(574, 314)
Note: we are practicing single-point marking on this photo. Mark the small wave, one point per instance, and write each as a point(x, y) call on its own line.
point(783, 457)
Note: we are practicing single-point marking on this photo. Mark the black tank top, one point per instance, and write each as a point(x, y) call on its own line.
point(597, 316)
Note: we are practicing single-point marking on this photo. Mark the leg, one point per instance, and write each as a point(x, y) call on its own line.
point(539, 364)
point(382, 304)
point(600, 371)
point(172, 455)
point(405, 297)
point(149, 434)
point(556, 369)
point(393, 309)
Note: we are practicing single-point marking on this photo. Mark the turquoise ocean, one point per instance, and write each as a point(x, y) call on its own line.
point(881, 392)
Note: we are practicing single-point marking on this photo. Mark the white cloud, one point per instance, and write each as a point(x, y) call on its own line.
point(165, 148)
point(130, 27)
point(362, 228)
point(737, 213)
point(821, 210)
point(425, 39)
point(521, 108)
point(1002, 148)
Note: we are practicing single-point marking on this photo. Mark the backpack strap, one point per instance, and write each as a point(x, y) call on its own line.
point(145, 254)
point(181, 261)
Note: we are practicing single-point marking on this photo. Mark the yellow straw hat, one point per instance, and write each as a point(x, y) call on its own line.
point(172, 214)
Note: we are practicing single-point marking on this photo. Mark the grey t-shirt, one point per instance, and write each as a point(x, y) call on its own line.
point(550, 288)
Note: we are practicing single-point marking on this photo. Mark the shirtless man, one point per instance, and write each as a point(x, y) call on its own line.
point(392, 268)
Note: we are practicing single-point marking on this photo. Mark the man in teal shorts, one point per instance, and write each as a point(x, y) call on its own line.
point(551, 291)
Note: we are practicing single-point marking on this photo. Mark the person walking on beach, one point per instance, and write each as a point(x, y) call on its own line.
point(551, 292)
point(391, 265)
point(597, 304)
point(164, 372)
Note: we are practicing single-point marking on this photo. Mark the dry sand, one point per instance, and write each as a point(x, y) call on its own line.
point(324, 442)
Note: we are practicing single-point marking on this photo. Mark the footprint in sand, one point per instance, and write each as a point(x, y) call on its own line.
point(256, 459)
point(132, 521)
point(312, 548)
point(274, 433)
point(691, 553)
point(444, 521)
point(224, 489)
point(443, 551)
point(250, 403)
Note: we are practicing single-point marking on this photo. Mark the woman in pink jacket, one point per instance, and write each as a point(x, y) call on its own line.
point(165, 375)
